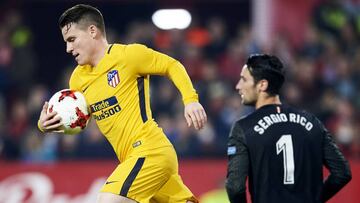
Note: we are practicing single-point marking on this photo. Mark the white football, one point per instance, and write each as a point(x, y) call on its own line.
point(71, 106)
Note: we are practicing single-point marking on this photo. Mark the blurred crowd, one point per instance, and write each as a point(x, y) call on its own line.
point(323, 77)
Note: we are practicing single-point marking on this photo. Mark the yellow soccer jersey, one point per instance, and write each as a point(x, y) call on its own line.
point(117, 90)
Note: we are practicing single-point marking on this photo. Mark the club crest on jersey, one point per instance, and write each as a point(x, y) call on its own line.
point(113, 78)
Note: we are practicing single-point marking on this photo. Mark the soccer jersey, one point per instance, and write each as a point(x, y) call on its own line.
point(282, 151)
point(117, 91)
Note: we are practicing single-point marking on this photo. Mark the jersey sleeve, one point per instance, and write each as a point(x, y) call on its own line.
point(74, 81)
point(335, 162)
point(238, 165)
point(149, 62)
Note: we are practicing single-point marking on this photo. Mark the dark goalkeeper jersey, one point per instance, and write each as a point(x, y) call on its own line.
point(282, 151)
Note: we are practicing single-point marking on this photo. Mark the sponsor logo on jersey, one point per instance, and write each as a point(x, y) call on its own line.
point(113, 78)
point(105, 108)
point(103, 104)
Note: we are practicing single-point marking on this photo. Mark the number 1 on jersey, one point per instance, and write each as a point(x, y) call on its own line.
point(285, 145)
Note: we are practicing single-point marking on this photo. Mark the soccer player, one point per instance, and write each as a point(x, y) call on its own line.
point(280, 149)
point(115, 81)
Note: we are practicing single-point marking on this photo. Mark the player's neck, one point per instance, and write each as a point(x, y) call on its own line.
point(101, 49)
point(266, 100)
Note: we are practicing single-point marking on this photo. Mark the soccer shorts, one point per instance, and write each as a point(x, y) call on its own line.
point(149, 177)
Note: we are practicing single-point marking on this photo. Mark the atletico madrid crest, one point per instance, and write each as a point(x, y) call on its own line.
point(113, 78)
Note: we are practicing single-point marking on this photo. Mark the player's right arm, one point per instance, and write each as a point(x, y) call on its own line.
point(334, 160)
point(49, 122)
point(238, 165)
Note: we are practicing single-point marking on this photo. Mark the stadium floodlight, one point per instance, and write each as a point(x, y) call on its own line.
point(167, 19)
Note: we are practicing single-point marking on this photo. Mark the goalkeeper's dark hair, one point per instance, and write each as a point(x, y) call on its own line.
point(268, 67)
point(84, 15)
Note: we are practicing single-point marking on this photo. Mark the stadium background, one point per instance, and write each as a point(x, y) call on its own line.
point(318, 40)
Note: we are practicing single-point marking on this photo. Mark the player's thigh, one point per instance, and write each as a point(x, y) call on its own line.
point(112, 198)
point(123, 177)
point(174, 191)
point(141, 177)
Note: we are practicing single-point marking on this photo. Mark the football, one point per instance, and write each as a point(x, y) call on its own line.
point(71, 106)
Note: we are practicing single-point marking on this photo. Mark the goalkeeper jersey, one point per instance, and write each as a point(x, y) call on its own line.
point(117, 91)
point(282, 150)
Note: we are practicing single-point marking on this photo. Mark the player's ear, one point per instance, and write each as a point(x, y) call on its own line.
point(263, 85)
point(93, 30)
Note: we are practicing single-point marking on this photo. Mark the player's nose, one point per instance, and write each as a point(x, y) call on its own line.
point(69, 48)
point(238, 86)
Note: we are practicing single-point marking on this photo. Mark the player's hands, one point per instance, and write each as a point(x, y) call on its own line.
point(49, 122)
point(195, 115)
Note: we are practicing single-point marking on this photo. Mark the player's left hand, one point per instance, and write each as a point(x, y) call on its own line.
point(195, 115)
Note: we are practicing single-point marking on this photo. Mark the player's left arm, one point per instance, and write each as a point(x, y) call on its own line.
point(238, 165)
point(338, 166)
point(150, 62)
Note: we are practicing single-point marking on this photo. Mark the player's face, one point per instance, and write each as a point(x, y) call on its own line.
point(79, 43)
point(247, 87)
